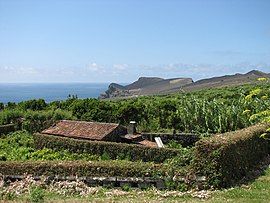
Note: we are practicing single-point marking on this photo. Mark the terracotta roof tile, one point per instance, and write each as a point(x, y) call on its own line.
point(148, 143)
point(132, 136)
point(81, 129)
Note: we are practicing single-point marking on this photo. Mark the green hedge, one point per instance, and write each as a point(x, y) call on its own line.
point(112, 149)
point(226, 158)
point(81, 168)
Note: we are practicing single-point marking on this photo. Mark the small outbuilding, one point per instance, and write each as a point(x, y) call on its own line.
point(87, 130)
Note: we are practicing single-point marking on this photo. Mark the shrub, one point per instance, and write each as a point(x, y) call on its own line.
point(101, 148)
point(36, 194)
point(18, 139)
point(2, 106)
point(36, 121)
point(126, 187)
point(3, 157)
point(35, 104)
point(82, 168)
point(19, 146)
point(10, 116)
point(226, 158)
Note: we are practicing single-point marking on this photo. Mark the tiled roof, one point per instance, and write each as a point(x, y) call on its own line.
point(132, 136)
point(81, 129)
point(148, 143)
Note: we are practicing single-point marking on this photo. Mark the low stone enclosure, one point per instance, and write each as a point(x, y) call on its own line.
point(218, 161)
point(98, 181)
point(141, 175)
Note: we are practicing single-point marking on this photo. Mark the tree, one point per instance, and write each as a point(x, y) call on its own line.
point(2, 106)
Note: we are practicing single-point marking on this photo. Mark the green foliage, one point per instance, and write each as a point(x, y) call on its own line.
point(36, 194)
point(104, 149)
point(173, 144)
point(2, 106)
point(105, 156)
point(49, 154)
point(20, 146)
point(174, 185)
point(35, 105)
point(8, 196)
point(93, 110)
point(10, 116)
point(263, 116)
point(17, 139)
point(208, 111)
point(82, 168)
point(126, 187)
point(266, 135)
point(36, 121)
point(262, 97)
point(3, 157)
point(183, 160)
point(213, 111)
point(224, 159)
point(130, 111)
point(11, 105)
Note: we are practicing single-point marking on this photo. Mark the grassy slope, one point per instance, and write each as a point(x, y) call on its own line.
point(258, 191)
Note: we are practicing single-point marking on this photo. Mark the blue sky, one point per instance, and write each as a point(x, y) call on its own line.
point(119, 41)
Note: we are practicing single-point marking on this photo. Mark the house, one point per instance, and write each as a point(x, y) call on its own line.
point(111, 132)
point(87, 130)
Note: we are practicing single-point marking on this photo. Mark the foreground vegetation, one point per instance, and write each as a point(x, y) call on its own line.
point(19, 146)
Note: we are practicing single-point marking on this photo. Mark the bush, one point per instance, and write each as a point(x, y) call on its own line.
point(10, 116)
point(35, 104)
point(20, 146)
point(36, 194)
point(82, 168)
point(126, 187)
point(226, 158)
point(113, 149)
point(36, 121)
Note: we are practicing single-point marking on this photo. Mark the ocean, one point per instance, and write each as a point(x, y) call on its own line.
point(16, 92)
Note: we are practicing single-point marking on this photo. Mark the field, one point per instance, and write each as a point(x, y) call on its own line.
point(237, 115)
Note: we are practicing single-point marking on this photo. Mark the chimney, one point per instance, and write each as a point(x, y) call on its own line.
point(132, 128)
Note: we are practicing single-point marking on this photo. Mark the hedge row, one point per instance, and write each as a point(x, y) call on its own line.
point(226, 158)
point(81, 168)
point(112, 149)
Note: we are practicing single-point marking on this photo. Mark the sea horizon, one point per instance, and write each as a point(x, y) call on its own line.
point(23, 91)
